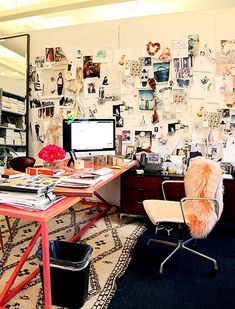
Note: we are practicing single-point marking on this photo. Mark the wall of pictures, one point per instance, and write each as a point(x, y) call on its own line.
point(168, 80)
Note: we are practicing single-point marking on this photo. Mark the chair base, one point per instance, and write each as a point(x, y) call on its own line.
point(180, 245)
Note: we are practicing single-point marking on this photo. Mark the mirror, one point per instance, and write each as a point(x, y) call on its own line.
point(14, 54)
point(14, 64)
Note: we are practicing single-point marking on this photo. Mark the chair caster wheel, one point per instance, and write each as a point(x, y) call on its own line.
point(213, 273)
point(159, 275)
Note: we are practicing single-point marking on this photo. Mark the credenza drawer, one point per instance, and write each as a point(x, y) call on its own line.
point(141, 182)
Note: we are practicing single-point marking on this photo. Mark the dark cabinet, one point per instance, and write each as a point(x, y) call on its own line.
point(136, 188)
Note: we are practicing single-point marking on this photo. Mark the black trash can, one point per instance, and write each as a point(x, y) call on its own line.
point(69, 268)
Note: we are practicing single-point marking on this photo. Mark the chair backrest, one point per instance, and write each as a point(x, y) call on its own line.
point(21, 163)
point(203, 179)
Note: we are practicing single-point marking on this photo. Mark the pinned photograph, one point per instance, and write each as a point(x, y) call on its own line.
point(46, 110)
point(142, 140)
point(146, 99)
point(90, 69)
point(67, 102)
point(91, 88)
point(102, 55)
point(130, 152)
point(39, 61)
point(50, 54)
point(126, 136)
point(52, 83)
point(161, 71)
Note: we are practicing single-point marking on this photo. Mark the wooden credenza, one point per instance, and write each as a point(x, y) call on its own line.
point(137, 188)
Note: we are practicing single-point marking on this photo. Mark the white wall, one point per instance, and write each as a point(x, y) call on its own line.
point(131, 36)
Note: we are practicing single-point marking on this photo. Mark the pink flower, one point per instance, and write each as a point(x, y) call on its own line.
point(51, 152)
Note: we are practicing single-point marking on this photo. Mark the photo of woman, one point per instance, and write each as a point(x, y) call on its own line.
point(60, 83)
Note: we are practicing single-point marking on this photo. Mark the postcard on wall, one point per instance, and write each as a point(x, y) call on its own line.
point(224, 84)
point(50, 54)
point(161, 71)
point(53, 82)
point(47, 110)
point(91, 87)
point(193, 44)
point(225, 51)
point(90, 69)
point(180, 99)
point(180, 47)
point(142, 140)
point(126, 136)
point(183, 67)
point(39, 61)
point(146, 99)
point(67, 102)
point(132, 68)
point(102, 55)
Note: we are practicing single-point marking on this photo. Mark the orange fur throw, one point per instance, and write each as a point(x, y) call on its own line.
point(202, 179)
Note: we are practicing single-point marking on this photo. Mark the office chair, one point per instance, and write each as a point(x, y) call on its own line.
point(21, 163)
point(199, 210)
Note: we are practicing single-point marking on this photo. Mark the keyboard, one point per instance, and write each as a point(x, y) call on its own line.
point(103, 171)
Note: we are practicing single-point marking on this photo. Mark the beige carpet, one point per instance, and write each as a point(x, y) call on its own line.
point(112, 241)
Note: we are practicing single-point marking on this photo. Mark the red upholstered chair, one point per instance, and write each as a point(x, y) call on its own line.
point(199, 210)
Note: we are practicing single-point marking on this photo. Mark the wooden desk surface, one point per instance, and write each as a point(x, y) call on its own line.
point(88, 192)
point(72, 197)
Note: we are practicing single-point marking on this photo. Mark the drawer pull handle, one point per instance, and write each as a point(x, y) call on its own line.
point(140, 203)
point(140, 189)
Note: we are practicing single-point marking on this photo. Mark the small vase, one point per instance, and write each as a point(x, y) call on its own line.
point(49, 165)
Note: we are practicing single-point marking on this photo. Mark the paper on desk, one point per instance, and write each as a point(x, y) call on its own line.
point(79, 181)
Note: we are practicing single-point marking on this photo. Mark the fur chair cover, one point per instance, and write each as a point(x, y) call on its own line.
point(203, 179)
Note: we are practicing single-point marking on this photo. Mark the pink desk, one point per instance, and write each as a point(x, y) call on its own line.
point(42, 217)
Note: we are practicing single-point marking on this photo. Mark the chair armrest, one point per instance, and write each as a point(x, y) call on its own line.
point(216, 204)
point(169, 181)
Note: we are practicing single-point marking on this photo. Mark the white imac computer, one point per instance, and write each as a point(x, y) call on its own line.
point(89, 137)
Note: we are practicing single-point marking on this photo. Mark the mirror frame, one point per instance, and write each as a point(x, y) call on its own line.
point(26, 81)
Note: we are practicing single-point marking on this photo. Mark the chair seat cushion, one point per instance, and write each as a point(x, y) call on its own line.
point(163, 211)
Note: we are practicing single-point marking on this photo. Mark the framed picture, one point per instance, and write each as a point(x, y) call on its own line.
point(130, 151)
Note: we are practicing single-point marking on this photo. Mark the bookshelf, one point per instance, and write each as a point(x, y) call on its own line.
point(13, 123)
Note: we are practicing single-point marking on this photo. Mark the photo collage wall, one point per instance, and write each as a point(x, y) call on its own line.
point(171, 95)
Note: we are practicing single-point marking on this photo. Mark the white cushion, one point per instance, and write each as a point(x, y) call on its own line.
point(163, 211)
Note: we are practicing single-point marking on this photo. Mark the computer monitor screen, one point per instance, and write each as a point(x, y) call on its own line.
point(89, 137)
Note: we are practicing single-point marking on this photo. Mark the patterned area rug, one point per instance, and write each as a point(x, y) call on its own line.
point(112, 241)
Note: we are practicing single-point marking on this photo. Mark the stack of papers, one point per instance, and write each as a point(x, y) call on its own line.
point(77, 181)
point(34, 193)
point(29, 201)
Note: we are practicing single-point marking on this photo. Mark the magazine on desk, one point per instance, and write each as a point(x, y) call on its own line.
point(30, 184)
point(79, 181)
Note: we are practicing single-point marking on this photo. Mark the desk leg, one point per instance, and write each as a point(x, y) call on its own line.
point(6, 294)
point(106, 206)
point(46, 265)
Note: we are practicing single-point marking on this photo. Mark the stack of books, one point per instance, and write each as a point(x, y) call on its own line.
point(34, 193)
